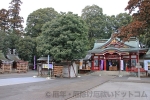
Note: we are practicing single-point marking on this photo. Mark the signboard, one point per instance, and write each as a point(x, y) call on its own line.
point(138, 65)
point(112, 57)
point(146, 64)
point(111, 51)
point(46, 66)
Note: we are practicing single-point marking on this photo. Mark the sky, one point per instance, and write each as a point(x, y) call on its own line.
point(110, 7)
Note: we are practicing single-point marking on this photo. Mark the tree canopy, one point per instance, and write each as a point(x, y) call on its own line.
point(4, 20)
point(65, 38)
point(140, 10)
point(15, 20)
point(10, 41)
point(101, 26)
point(93, 16)
point(37, 19)
point(25, 48)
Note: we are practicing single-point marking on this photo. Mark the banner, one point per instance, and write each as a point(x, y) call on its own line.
point(34, 63)
point(121, 65)
point(102, 62)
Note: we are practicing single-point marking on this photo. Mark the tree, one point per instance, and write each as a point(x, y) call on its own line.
point(65, 38)
point(4, 20)
point(120, 20)
point(141, 20)
point(14, 18)
point(25, 48)
point(113, 23)
point(2, 38)
point(93, 16)
point(36, 20)
point(10, 41)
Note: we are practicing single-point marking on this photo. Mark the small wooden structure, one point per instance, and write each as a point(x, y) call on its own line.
point(42, 67)
point(84, 65)
point(58, 71)
point(18, 64)
point(6, 67)
point(5, 64)
point(22, 66)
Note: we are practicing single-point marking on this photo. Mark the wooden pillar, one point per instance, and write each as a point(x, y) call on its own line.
point(104, 63)
point(92, 63)
point(137, 57)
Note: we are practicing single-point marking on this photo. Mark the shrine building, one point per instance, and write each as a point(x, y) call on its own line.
point(112, 54)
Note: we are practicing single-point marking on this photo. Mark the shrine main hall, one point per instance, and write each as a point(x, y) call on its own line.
point(113, 54)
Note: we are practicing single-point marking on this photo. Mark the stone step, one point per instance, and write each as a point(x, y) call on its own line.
point(110, 73)
point(115, 73)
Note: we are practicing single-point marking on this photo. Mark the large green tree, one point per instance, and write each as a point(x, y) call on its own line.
point(36, 20)
point(65, 38)
point(93, 16)
point(15, 20)
point(25, 48)
point(10, 41)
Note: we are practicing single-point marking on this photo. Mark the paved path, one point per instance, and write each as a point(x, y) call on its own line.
point(119, 88)
point(22, 80)
point(29, 88)
point(56, 89)
point(117, 91)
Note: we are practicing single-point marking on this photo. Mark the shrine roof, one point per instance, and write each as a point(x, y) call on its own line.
point(116, 49)
point(13, 57)
point(44, 59)
point(2, 57)
point(148, 52)
point(147, 55)
point(132, 42)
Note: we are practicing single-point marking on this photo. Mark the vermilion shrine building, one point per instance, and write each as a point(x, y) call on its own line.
point(112, 54)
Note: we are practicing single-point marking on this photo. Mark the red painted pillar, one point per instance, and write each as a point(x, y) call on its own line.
point(104, 63)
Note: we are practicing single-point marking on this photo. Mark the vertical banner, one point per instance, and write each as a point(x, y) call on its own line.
point(48, 62)
point(34, 63)
point(102, 63)
point(121, 67)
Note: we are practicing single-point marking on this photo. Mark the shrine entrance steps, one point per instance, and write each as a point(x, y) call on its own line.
point(110, 73)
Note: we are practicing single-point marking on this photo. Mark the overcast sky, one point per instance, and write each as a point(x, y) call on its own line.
point(110, 7)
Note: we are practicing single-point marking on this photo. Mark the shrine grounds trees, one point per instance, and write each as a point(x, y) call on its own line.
point(4, 20)
point(140, 26)
point(35, 22)
point(15, 20)
point(64, 38)
point(100, 25)
point(11, 28)
point(25, 48)
point(37, 19)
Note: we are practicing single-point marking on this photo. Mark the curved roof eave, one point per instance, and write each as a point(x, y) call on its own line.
point(120, 50)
